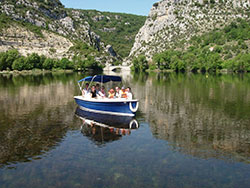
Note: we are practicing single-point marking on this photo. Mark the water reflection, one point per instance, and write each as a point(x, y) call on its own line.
point(33, 119)
point(102, 128)
point(184, 119)
point(198, 115)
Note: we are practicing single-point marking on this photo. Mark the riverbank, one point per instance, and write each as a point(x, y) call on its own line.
point(222, 71)
point(35, 71)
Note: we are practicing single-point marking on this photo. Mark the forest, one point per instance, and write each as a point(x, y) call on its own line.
point(222, 49)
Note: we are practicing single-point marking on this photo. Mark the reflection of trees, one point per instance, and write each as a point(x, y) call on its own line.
point(34, 116)
point(24, 139)
point(205, 117)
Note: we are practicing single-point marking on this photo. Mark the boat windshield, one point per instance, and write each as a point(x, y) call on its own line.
point(101, 78)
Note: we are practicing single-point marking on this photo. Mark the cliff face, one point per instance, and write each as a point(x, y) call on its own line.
point(172, 21)
point(50, 15)
point(26, 42)
point(47, 27)
point(51, 19)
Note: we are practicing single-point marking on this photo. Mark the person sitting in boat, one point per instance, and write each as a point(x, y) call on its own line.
point(102, 93)
point(85, 90)
point(111, 94)
point(93, 92)
point(123, 93)
point(117, 92)
point(129, 94)
point(97, 88)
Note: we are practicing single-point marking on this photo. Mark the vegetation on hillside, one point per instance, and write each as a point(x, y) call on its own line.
point(226, 48)
point(6, 21)
point(12, 60)
point(117, 29)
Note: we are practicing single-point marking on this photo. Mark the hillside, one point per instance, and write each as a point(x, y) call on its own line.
point(172, 23)
point(116, 29)
point(48, 28)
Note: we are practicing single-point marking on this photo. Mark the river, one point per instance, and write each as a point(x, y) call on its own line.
point(194, 131)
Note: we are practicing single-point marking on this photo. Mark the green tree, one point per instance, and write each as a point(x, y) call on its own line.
point(78, 63)
point(7, 59)
point(3, 62)
point(140, 63)
point(65, 64)
point(33, 61)
point(48, 64)
point(19, 64)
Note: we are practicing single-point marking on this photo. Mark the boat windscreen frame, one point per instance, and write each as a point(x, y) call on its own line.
point(102, 78)
point(116, 79)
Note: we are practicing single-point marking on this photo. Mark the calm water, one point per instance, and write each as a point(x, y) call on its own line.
point(193, 131)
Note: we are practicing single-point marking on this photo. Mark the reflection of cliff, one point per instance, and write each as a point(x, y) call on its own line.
point(24, 99)
point(204, 117)
point(34, 117)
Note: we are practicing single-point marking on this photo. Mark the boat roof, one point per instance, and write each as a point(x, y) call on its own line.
point(101, 78)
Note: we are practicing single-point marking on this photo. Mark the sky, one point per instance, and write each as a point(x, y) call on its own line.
point(139, 7)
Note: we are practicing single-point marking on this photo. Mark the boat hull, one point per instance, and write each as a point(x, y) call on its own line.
point(119, 107)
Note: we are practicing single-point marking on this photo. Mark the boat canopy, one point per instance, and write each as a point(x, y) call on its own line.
point(101, 78)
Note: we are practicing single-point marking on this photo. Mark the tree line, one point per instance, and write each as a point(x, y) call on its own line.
point(13, 60)
point(221, 49)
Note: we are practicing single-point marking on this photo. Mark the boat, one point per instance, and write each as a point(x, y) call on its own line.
point(115, 106)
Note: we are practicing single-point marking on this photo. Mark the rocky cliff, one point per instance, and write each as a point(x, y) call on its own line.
point(173, 21)
point(27, 42)
point(47, 27)
point(57, 30)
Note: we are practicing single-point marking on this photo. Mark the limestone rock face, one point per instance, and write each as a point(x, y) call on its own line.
point(26, 42)
point(170, 21)
point(59, 26)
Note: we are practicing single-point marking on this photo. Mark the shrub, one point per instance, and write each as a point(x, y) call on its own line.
point(19, 64)
point(156, 5)
point(66, 64)
point(3, 62)
point(116, 63)
point(48, 64)
point(7, 59)
point(154, 17)
point(34, 61)
point(140, 63)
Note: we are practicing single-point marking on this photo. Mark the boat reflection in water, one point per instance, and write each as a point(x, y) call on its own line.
point(103, 128)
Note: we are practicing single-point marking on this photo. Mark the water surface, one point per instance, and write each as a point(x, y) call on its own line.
point(194, 131)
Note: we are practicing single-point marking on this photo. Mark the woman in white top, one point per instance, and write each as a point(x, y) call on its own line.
point(117, 92)
point(102, 93)
point(129, 94)
point(86, 90)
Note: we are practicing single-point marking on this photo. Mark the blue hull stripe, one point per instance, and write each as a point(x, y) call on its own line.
point(106, 112)
point(121, 108)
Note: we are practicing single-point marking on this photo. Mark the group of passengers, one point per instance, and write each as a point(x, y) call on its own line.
point(97, 92)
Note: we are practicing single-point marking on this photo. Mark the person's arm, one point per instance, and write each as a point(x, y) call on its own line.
point(130, 96)
point(100, 94)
